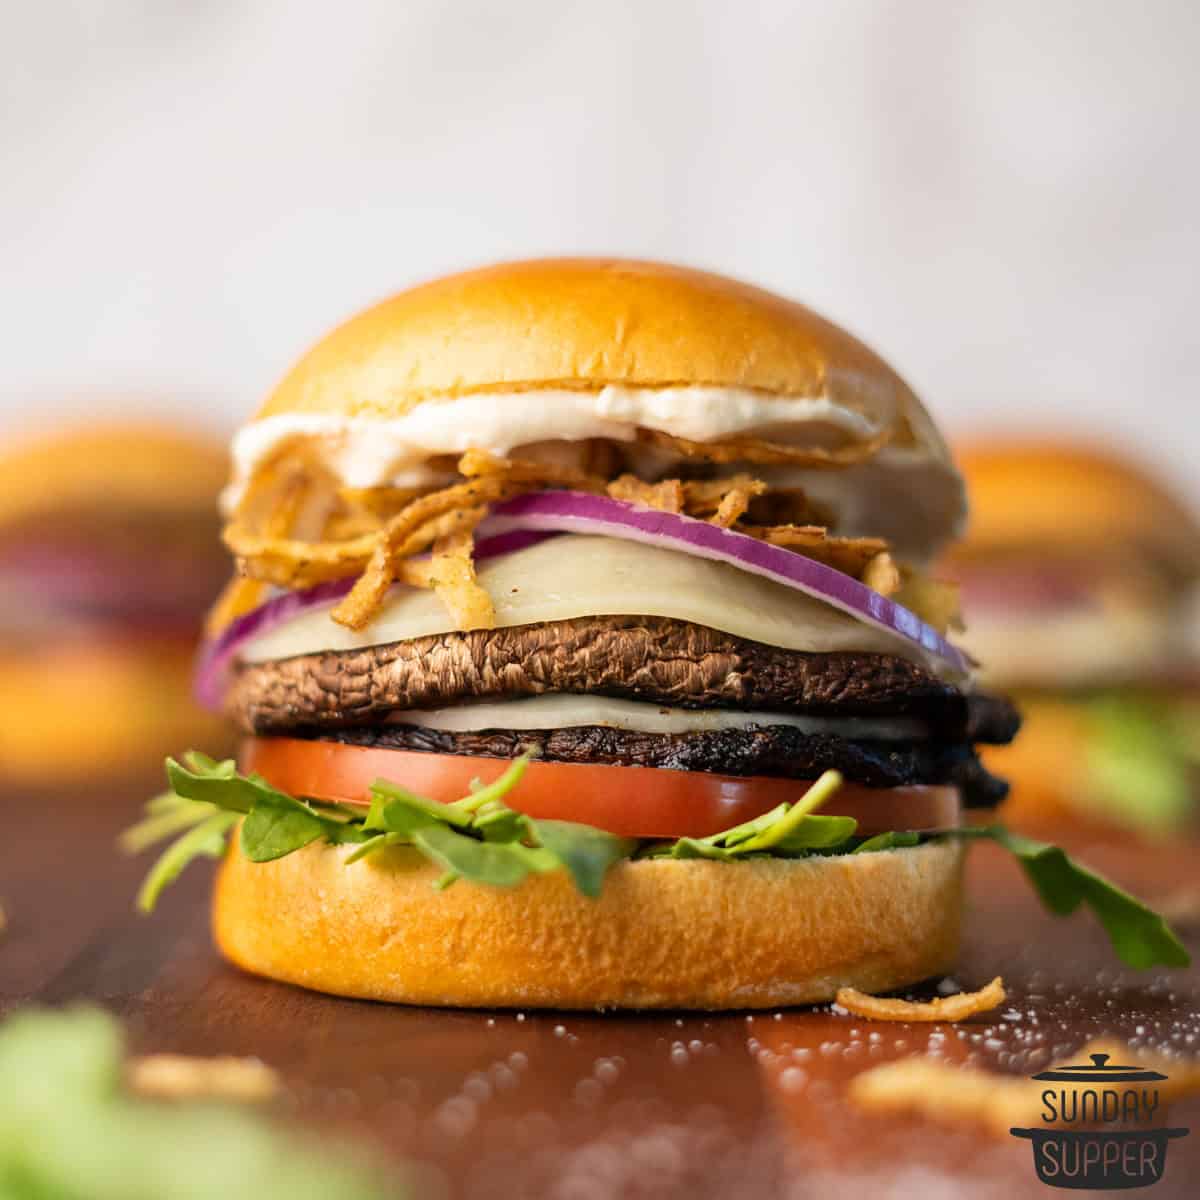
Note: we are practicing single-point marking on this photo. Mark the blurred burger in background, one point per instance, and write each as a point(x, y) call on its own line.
point(1079, 582)
point(108, 560)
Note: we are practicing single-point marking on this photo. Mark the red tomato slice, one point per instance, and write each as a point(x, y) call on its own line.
point(637, 802)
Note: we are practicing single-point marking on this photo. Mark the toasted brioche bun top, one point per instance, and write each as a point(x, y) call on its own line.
point(526, 357)
point(586, 323)
point(111, 466)
point(1057, 496)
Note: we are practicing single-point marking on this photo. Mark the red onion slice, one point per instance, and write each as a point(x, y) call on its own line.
point(581, 512)
point(527, 519)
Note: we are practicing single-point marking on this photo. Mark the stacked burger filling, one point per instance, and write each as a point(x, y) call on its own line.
point(585, 654)
point(637, 691)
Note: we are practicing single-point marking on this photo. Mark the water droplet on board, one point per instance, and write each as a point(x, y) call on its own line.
point(793, 1079)
point(606, 1071)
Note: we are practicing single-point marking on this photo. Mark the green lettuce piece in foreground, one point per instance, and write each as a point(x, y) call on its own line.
point(70, 1131)
point(480, 839)
point(1140, 760)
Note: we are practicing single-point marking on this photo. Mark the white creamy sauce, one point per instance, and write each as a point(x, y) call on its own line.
point(914, 498)
point(371, 451)
point(579, 575)
point(565, 712)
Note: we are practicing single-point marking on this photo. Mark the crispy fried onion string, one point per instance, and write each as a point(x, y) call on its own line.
point(944, 1008)
point(849, 555)
point(446, 520)
point(667, 495)
point(759, 450)
point(452, 576)
point(375, 533)
point(881, 574)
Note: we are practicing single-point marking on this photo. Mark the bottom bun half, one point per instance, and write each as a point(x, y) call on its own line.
point(664, 934)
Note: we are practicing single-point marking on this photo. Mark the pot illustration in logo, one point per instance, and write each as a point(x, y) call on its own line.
point(1098, 1127)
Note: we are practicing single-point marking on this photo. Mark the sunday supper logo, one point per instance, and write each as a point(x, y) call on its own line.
point(1101, 1127)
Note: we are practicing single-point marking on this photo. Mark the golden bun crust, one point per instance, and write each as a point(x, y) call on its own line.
point(587, 323)
point(122, 465)
point(664, 934)
point(106, 707)
point(1028, 494)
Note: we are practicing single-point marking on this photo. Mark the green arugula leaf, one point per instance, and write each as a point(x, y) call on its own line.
point(501, 864)
point(686, 847)
point(791, 821)
point(738, 834)
point(888, 841)
point(206, 840)
point(162, 821)
point(396, 810)
point(405, 816)
point(586, 852)
point(371, 844)
point(1139, 935)
point(496, 823)
point(215, 785)
point(496, 790)
point(811, 832)
point(272, 830)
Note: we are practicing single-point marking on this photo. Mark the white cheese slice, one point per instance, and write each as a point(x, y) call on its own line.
point(580, 575)
point(564, 712)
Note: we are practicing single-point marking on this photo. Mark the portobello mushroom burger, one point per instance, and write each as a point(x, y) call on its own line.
point(585, 656)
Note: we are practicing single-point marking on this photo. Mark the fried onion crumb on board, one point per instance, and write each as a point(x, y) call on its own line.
point(188, 1077)
point(944, 1008)
point(949, 1094)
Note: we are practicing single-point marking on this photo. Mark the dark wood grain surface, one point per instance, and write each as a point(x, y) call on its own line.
point(582, 1107)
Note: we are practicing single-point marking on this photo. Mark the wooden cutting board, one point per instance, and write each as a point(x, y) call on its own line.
point(511, 1104)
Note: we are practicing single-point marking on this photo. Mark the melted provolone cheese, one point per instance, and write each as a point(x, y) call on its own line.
point(584, 576)
point(566, 712)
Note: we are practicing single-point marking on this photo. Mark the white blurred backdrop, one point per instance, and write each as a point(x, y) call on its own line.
point(1003, 198)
